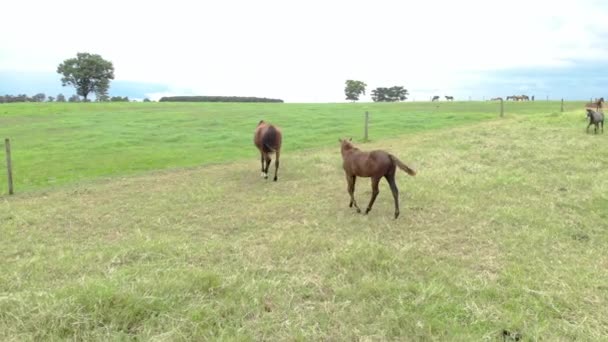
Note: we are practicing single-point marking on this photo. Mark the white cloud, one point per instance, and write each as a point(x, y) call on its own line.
point(304, 51)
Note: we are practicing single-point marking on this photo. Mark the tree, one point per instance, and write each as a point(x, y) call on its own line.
point(146, 100)
point(392, 94)
point(40, 97)
point(354, 89)
point(88, 73)
point(51, 99)
point(60, 98)
point(74, 98)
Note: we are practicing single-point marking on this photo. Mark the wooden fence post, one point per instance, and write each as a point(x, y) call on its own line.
point(562, 109)
point(9, 166)
point(502, 108)
point(365, 138)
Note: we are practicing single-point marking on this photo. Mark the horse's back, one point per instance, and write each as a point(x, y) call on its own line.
point(374, 163)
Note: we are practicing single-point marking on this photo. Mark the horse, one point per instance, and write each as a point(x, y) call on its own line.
point(375, 164)
point(597, 104)
point(595, 118)
point(267, 139)
point(435, 98)
point(496, 99)
point(449, 98)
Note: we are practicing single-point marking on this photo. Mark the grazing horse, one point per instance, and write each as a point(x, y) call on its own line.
point(375, 164)
point(496, 99)
point(595, 118)
point(449, 98)
point(435, 98)
point(268, 139)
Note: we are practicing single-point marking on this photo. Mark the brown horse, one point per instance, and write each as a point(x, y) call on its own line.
point(268, 139)
point(375, 164)
point(597, 104)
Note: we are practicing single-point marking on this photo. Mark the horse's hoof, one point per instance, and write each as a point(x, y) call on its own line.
point(275, 179)
point(396, 215)
point(358, 210)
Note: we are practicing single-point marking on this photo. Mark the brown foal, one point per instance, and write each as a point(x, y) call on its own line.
point(375, 164)
point(268, 139)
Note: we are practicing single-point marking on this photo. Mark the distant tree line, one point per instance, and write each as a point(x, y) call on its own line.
point(216, 99)
point(41, 97)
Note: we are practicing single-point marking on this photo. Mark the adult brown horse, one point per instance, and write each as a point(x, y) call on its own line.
point(267, 139)
point(596, 105)
point(375, 164)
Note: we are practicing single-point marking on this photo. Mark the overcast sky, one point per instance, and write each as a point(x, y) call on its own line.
point(303, 51)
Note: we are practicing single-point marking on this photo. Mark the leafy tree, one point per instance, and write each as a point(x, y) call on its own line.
point(392, 94)
point(51, 99)
point(60, 98)
point(88, 73)
point(146, 100)
point(354, 89)
point(40, 97)
point(74, 98)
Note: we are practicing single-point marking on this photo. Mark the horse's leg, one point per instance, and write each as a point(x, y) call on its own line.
point(262, 160)
point(268, 160)
point(276, 165)
point(375, 192)
point(395, 191)
point(351, 191)
point(589, 125)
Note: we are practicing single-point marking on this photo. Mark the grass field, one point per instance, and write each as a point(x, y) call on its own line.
point(59, 143)
point(503, 228)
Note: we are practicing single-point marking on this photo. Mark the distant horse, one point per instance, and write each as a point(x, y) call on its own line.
point(597, 104)
point(449, 98)
point(435, 98)
point(524, 98)
point(595, 118)
point(510, 98)
point(496, 99)
point(268, 139)
point(375, 164)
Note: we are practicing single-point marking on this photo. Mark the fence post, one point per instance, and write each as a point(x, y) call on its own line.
point(502, 108)
point(366, 125)
point(9, 167)
point(562, 109)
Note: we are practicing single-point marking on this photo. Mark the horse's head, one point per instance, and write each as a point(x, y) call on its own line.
point(346, 144)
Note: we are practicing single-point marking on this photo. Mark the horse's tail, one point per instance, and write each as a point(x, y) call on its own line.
point(270, 140)
point(402, 166)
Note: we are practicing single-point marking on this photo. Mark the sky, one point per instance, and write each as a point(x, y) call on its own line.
point(304, 51)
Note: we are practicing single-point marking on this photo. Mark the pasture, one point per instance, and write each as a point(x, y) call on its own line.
point(151, 222)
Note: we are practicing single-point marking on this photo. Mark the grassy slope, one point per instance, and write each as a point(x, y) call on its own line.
point(57, 143)
point(503, 228)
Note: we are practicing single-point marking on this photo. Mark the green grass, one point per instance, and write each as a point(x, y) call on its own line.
point(503, 228)
point(55, 144)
